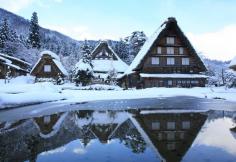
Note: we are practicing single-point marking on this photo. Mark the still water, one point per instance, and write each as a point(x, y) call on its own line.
point(115, 136)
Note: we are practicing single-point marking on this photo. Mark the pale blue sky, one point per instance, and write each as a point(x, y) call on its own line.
point(201, 20)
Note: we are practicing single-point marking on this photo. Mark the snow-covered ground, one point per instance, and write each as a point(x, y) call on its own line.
point(22, 91)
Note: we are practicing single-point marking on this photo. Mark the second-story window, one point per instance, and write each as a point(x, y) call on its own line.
point(170, 40)
point(170, 61)
point(155, 60)
point(185, 61)
point(158, 50)
point(181, 50)
point(170, 50)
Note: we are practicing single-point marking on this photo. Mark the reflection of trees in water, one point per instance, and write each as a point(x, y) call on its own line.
point(130, 137)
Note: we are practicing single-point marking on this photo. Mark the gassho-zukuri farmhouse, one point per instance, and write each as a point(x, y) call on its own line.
point(167, 59)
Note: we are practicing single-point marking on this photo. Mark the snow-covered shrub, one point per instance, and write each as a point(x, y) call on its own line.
point(230, 79)
point(59, 80)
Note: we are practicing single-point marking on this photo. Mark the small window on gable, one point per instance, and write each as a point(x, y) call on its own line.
point(158, 50)
point(155, 60)
point(170, 50)
point(170, 40)
point(170, 125)
point(185, 61)
point(170, 61)
point(181, 50)
point(155, 125)
point(186, 124)
point(47, 68)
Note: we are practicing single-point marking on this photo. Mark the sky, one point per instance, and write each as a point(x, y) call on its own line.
point(209, 24)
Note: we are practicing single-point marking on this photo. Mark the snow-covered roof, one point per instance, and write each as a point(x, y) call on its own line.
point(55, 59)
point(233, 62)
point(82, 66)
point(9, 63)
point(105, 65)
point(14, 58)
point(53, 55)
point(60, 66)
point(144, 75)
point(147, 46)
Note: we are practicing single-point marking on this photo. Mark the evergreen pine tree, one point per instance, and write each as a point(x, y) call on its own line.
point(121, 48)
point(34, 37)
point(83, 72)
point(4, 33)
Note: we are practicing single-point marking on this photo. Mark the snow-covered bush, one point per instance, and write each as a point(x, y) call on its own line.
point(111, 78)
point(230, 79)
point(59, 80)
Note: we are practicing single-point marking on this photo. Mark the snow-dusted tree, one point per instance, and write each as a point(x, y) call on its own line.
point(112, 76)
point(4, 33)
point(121, 48)
point(230, 78)
point(83, 71)
point(34, 37)
point(135, 42)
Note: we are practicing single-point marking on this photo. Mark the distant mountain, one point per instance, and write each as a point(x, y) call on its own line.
point(21, 26)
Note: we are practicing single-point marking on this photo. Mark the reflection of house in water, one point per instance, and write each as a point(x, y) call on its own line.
point(50, 124)
point(170, 135)
point(105, 123)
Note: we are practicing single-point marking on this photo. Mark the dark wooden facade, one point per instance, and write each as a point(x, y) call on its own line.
point(17, 67)
point(170, 53)
point(39, 69)
point(171, 134)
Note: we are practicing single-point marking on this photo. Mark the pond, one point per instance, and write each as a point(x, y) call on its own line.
point(123, 135)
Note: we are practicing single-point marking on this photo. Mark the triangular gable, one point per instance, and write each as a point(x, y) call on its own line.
point(54, 61)
point(104, 50)
point(151, 41)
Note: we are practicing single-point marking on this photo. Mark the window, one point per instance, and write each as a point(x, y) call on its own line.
point(155, 125)
point(46, 119)
point(158, 50)
point(171, 146)
point(185, 61)
point(170, 82)
point(155, 60)
point(170, 125)
point(47, 68)
point(159, 136)
point(171, 135)
point(170, 40)
point(170, 61)
point(186, 124)
point(181, 50)
point(170, 50)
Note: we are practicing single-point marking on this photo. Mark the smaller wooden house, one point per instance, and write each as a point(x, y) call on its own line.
point(48, 67)
point(104, 60)
point(232, 64)
point(12, 65)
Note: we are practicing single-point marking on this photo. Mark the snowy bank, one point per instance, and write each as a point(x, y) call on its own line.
point(24, 92)
point(211, 93)
point(21, 91)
